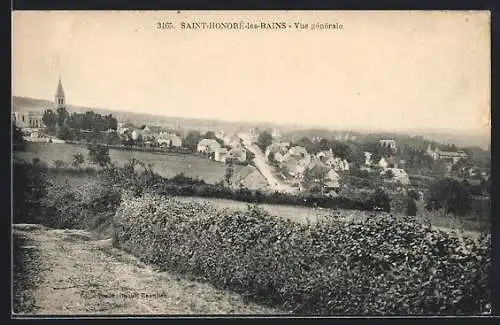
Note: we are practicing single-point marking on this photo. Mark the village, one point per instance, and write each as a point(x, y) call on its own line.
point(287, 166)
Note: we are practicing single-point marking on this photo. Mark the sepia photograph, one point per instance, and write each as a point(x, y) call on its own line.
point(251, 163)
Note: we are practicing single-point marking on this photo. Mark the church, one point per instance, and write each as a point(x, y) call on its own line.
point(26, 119)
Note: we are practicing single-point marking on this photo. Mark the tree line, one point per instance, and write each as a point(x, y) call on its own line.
point(70, 126)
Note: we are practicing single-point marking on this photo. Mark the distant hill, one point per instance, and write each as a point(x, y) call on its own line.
point(461, 139)
point(203, 125)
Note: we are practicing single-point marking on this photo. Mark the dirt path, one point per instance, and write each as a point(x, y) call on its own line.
point(260, 162)
point(75, 274)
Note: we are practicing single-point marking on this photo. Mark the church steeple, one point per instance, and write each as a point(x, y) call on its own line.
point(60, 99)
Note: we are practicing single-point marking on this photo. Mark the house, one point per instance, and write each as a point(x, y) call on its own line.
point(383, 163)
point(332, 180)
point(454, 156)
point(337, 164)
point(28, 119)
point(295, 166)
point(169, 140)
point(325, 154)
point(147, 134)
point(207, 146)
point(238, 153)
point(398, 175)
point(368, 158)
point(276, 148)
point(298, 151)
point(388, 144)
point(220, 154)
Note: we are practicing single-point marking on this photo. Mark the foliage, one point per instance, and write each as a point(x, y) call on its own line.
point(62, 115)
point(191, 140)
point(385, 265)
point(379, 200)
point(411, 207)
point(315, 175)
point(78, 160)
point(99, 154)
point(264, 140)
point(229, 173)
point(65, 133)
point(59, 163)
point(449, 194)
point(389, 174)
point(29, 187)
point(18, 142)
point(49, 118)
point(92, 121)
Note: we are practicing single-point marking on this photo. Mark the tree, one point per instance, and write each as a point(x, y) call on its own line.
point(229, 173)
point(379, 200)
point(317, 175)
point(192, 139)
point(18, 141)
point(49, 118)
point(340, 150)
point(78, 160)
point(99, 155)
point(324, 144)
point(210, 135)
point(310, 146)
point(62, 115)
point(449, 194)
point(264, 140)
point(411, 207)
point(64, 133)
point(389, 174)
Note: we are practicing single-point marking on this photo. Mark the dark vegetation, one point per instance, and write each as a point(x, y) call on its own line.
point(383, 265)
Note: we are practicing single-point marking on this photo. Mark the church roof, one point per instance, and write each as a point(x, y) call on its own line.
point(60, 91)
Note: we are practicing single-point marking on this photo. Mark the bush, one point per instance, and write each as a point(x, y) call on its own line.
point(379, 200)
point(449, 194)
point(99, 154)
point(384, 265)
point(411, 207)
point(29, 188)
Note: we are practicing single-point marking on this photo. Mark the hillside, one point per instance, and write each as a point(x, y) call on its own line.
point(173, 122)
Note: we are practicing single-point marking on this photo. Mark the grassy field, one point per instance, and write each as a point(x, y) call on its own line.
point(165, 165)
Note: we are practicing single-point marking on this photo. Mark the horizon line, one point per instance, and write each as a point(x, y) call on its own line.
point(361, 129)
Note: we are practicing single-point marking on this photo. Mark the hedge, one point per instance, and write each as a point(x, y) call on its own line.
point(384, 265)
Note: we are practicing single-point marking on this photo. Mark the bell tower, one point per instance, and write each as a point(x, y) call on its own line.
point(59, 97)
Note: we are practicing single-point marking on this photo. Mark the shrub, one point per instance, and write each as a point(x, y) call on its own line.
point(99, 154)
point(411, 207)
point(379, 200)
point(449, 194)
point(384, 265)
point(29, 188)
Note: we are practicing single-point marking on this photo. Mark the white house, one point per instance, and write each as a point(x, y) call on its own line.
point(207, 146)
point(388, 143)
point(298, 151)
point(368, 158)
point(220, 154)
point(333, 180)
point(399, 175)
point(168, 139)
point(276, 148)
point(383, 163)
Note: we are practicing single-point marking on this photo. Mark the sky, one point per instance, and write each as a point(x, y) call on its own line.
point(382, 70)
